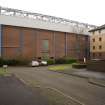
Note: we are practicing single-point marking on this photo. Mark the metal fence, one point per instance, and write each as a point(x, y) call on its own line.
point(78, 27)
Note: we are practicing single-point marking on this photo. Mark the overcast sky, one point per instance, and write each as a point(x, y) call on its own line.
point(87, 11)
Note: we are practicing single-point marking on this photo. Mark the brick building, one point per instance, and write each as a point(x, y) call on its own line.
point(25, 35)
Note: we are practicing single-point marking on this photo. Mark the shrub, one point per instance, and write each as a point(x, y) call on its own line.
point(70, 61)
point(23, 62)
point(1, 62)
point(60, 61)
point(13, 62)
point(50, 61)
point(65, 61)
point(79, 66)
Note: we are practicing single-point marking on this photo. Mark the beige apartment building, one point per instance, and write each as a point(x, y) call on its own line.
point(97, 43)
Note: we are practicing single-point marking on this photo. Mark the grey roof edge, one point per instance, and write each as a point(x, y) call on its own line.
point(98, 28)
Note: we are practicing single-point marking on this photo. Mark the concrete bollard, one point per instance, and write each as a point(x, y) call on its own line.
point(5, 67)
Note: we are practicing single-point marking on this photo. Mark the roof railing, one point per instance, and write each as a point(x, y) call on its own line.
point(53, 19)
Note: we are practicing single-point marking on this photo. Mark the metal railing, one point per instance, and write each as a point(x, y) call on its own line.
point(78, 27)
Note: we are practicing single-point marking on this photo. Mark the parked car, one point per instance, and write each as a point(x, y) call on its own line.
point(34, 63)
point(43, 63)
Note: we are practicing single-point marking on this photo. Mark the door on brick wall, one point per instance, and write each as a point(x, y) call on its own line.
point(0, 38)
point(45, 49)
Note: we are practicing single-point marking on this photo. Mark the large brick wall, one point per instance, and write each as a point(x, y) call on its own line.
point(59, 44)
point(10, 41)
point(19, 42)
point(77, 46)
point(71, 45)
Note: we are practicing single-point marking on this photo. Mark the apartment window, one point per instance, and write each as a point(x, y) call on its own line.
point(93, 39)
point(99, 31)
point(93, 55)
point(45, 44)
point(93, 47)
point(100, 54)
point(100, 39)
point(100, 47)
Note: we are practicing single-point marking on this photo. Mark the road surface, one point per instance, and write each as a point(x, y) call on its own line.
point(75, 87)
point(14, 92)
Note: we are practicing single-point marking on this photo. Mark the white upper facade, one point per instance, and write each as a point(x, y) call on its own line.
point(21, 18)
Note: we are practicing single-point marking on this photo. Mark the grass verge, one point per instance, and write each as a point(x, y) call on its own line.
point(64, 68)
point(60, 67)
point(4, 72)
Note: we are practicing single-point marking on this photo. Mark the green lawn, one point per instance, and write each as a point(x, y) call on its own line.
point(4, 72)
point(60, 67)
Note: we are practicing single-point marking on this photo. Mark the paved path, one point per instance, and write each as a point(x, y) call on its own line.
point(89, 74)
point(14, 92)
point(75, 87)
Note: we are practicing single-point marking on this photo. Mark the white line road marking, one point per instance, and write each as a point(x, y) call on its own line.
point(65, 95)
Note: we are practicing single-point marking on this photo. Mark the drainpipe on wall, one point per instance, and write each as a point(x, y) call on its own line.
point(77, 47)
point(0, 40)
point(21, 42)
point(34, 44)
point(65, 44)
point(54, 44)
